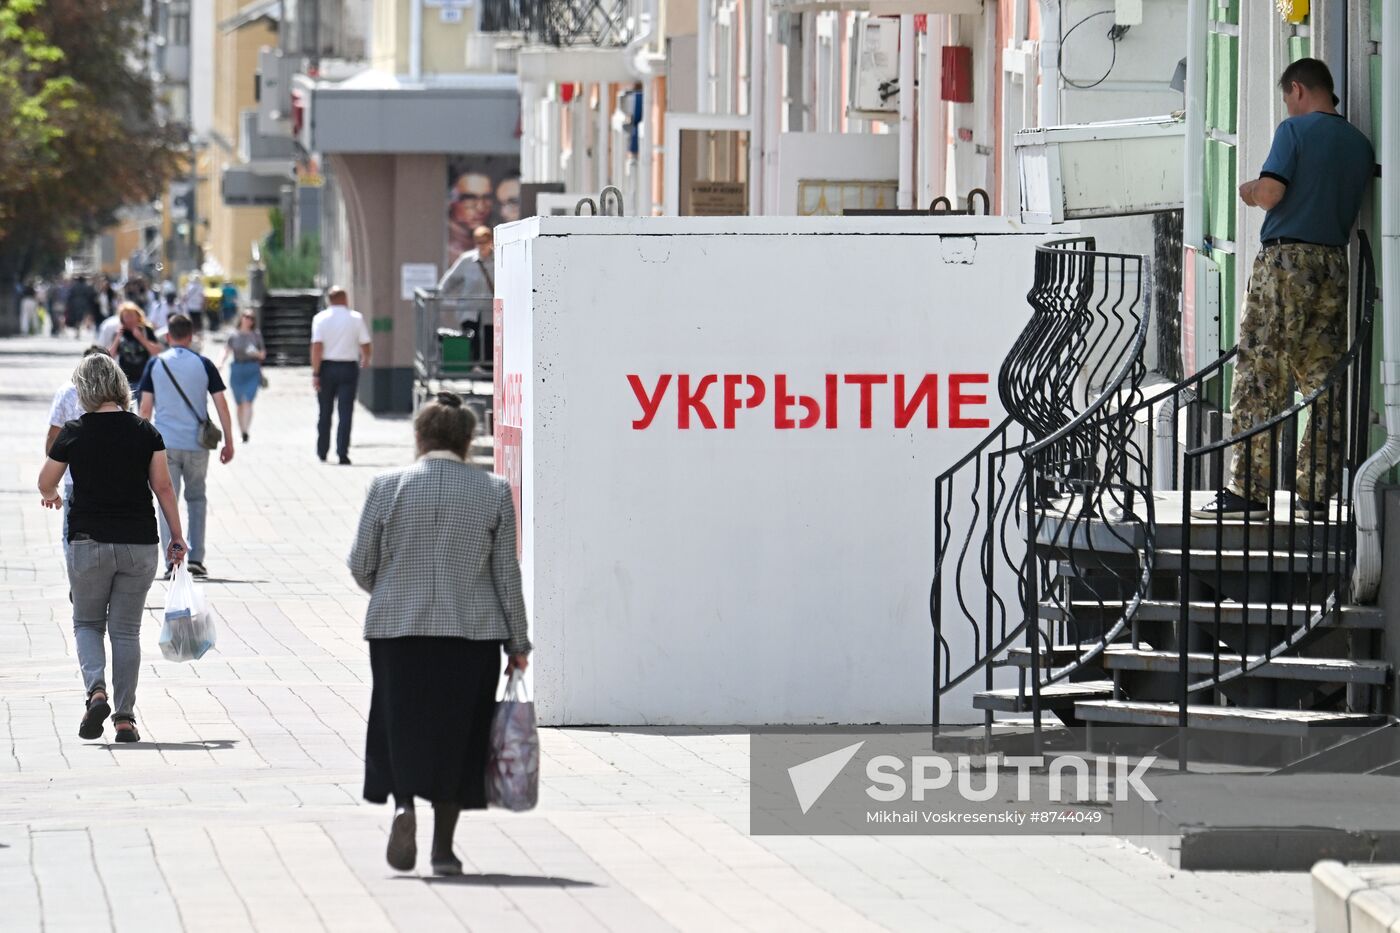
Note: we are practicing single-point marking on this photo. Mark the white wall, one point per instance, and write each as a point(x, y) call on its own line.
point(752, 575)
point(833, 157)
point(1138, 85)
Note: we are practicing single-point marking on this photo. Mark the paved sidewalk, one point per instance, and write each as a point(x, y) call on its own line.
point(241, 808)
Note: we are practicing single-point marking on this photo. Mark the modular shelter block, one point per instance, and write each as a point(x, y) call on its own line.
point(722, 434)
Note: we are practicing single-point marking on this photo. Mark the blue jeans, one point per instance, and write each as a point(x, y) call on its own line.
point(110, 583)
point(188, 469)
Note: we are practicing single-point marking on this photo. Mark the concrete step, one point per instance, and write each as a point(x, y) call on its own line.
point(1063, 527)
point(1250, 719)
point(1204, 563)
point(1231, 613)
point(1321, 670)
point(1054, 696)
point(1124, 657)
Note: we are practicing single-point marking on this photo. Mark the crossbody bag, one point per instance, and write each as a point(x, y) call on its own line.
point(209, 434)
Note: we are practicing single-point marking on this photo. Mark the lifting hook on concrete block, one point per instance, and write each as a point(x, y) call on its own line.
point(617, 200)
point(592, 208)
point(986, 201)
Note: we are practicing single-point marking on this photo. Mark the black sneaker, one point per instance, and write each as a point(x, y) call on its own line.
point(245, 437)
point(344, 461)
point(197, 569)
point(1231, 506)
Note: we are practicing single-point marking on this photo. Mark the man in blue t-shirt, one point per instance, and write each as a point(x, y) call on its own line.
point(173, 389)
point(1293, 327)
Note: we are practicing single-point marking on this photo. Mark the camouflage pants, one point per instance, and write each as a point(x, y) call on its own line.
point(1293, 330)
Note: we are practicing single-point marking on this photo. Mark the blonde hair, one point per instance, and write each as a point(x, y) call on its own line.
point(99, 380)
point(126, 306)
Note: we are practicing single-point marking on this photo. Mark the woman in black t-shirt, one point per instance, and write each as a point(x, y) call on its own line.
point(117, 460)
point(135, 343)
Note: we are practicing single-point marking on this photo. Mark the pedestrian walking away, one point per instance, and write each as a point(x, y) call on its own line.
point(134, 344)
point(245, 345)
point(435, 549)
point(1294, 324)
point(81, 304)
point(65, 408)
point(173, 397)
point(340, 348)
point(117, 461)
point(193, 300)
point(28, 311)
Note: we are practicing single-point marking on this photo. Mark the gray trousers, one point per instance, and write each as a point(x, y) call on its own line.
point(188, 471)
point(110, 583)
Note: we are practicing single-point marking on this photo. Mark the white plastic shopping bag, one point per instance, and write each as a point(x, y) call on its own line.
point(513, 763)
point(188, 631)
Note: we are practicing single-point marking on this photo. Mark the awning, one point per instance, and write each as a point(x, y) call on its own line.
point(374, 112)
point(255, 184)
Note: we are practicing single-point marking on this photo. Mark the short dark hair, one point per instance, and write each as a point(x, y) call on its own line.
point(444, 423)
point(95, 349)
point(179, 327)
point(1310, 73)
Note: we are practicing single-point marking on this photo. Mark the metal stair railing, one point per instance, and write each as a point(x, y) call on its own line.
point(1301, 569)
point(1069, 366)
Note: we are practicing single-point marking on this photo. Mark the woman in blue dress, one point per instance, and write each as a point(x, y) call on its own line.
point(245, 345)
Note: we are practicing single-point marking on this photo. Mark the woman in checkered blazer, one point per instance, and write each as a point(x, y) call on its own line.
point(436, 551)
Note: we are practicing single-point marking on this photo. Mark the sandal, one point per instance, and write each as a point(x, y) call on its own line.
point(128, 734)
point(97, 712)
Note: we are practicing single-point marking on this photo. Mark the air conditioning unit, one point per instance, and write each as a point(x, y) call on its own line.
point(1109, 169)
point(874, 68)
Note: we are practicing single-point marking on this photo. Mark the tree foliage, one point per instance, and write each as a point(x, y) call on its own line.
point(79, 133)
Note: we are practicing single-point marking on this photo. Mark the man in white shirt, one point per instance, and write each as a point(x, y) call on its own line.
point(340, 346)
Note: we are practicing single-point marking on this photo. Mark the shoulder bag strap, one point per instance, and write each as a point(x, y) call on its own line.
point(490, 279)
point(173, 381)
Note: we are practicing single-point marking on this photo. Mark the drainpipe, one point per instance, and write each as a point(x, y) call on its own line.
point(1364, 499)
point(704, 26)
point(1049, 103)
point(415, 39)
point(1193, 215)
point(641, 62)
point(908, 99)
point(758, 100)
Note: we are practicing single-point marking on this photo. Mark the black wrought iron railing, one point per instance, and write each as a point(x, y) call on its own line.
point(563, 23)
point(1078, 359)
point(1080, 504)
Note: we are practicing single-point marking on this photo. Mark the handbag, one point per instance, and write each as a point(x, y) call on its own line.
point(513, 761)
point(209, 435)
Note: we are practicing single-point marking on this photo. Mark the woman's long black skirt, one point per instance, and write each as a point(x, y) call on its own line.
point(430, 719)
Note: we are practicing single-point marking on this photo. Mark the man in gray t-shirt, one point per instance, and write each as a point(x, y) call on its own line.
point(174, 392)
point(1293, 327)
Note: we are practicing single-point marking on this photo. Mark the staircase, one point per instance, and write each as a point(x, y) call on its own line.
point(1070, 577)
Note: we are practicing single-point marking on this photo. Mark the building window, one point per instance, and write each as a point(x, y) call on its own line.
point(179, 28)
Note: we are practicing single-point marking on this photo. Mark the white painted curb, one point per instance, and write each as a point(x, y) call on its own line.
point(1356, 898)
